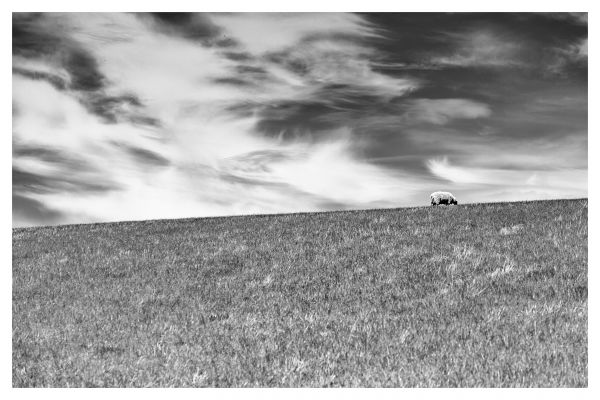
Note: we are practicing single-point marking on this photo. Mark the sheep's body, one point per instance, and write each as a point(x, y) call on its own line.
point(438, 198)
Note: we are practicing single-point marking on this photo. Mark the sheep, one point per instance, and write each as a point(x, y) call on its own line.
point(438, 198)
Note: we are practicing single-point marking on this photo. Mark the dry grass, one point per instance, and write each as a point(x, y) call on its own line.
point(444, 296)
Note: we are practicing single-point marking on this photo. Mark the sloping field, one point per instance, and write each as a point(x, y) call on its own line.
point(469, 295)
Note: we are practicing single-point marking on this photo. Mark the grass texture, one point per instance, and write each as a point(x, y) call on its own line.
point(479, 295)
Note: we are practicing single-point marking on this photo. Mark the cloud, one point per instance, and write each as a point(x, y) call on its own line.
point(28, 212)
point(150, 111)
point(564, 152)
point(581, 48)
point(193, 26)
point(564, 58)
point(38, 70)
point(344, 63)
point(456, 174)
point(577, 51)
point(581, 17)
point(485, 184)
point(480, 48)
point(441, 111)
point(285, 30)
point(140, 116)
point(576, 17)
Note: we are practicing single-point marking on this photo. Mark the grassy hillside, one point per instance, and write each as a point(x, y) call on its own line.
point(469, 295)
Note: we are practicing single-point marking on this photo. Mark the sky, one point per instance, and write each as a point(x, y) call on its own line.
point(146, 116)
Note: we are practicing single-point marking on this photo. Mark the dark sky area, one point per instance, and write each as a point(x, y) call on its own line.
point(144, 116)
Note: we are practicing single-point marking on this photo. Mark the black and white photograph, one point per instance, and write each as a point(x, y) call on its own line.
point(299, 199)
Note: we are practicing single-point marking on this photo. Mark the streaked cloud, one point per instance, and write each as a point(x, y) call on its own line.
point(260, 33)
point(151, 119)
point(569, 177)
point(494, 184)
point(142, 116)
point(441, 111)
point(481, 48)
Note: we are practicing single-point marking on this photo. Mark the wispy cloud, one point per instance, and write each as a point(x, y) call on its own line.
point(511, 184)
point(480, 48)
point(441, 111)
point(260, 33)
point(140, 116)
point(564, 57)
point(153, 118)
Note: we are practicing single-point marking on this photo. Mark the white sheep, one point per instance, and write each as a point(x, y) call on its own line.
point(438, 198)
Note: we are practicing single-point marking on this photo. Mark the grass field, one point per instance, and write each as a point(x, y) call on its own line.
point(472, 295)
